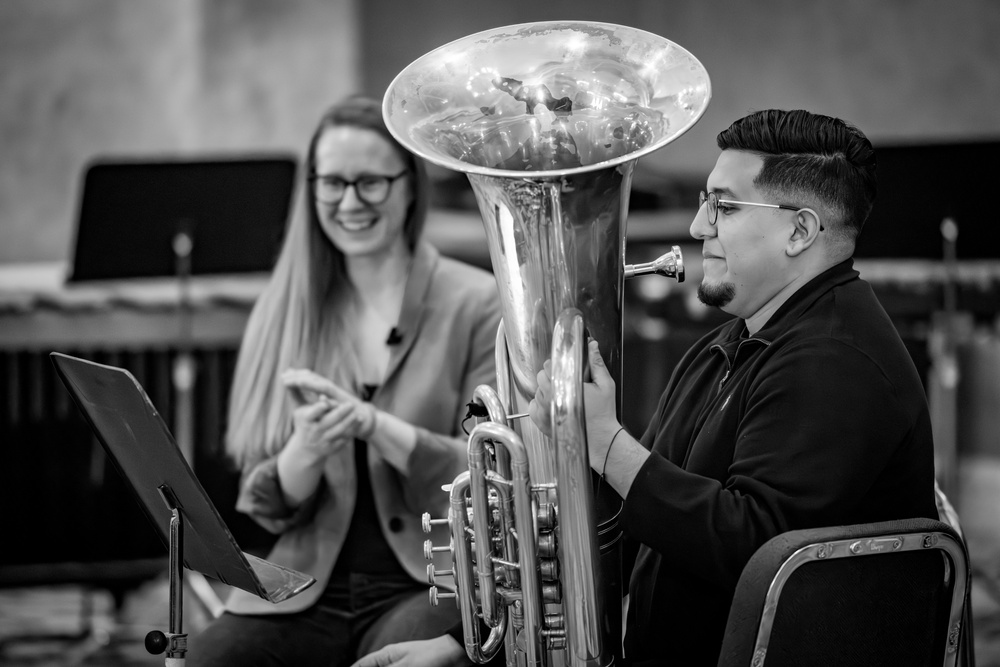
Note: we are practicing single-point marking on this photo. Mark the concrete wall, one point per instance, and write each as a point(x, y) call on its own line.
point(82, 78)
point(141, 78)
point(902, 70)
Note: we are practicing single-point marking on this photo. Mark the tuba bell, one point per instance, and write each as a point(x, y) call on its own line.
point(547, 120)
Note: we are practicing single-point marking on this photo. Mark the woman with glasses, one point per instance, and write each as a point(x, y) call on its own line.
point(347, 406)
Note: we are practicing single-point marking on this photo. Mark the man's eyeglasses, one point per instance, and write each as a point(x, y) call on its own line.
point(372, 189)
point(713, 202)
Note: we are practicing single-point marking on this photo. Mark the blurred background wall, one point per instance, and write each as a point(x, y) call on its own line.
point(84, 78)
point(145, 78)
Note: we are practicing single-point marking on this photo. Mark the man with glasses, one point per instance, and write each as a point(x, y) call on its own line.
point(804, 410)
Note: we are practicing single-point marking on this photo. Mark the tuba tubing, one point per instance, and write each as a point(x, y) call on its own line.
point(577, 530)
point(477, 649)
point(520, 490)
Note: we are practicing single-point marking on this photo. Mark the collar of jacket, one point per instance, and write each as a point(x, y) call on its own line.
point(425, 261)
point(735, 335)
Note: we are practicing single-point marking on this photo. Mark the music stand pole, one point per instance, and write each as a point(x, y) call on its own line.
point(174, 642)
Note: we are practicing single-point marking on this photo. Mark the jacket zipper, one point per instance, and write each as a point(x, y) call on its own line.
point(724, 378)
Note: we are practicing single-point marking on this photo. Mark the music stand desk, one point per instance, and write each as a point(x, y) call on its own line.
point(139, 443)
point(233, 211)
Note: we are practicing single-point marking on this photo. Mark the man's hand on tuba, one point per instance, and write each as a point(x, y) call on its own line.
point(599, 405)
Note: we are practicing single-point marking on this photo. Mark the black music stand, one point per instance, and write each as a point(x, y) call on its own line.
point(921, 185)
point(139, 443)
point(232, 211)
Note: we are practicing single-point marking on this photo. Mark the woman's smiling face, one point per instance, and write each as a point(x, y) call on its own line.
point(354, 226)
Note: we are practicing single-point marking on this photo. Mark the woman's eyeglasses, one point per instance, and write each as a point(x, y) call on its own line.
point(372, 189)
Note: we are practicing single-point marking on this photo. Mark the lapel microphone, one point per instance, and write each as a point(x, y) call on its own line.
point(395, 337)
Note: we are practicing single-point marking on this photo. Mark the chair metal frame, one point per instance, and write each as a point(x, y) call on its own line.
point(868, 541)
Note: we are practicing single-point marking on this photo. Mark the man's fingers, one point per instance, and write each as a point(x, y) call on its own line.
point(539, 415)
point(544, 383)
point(380, 658)
point(598, 370)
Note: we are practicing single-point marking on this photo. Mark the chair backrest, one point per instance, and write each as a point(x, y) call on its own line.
point(889, 593)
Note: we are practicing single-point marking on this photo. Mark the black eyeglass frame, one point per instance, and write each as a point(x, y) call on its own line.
point(358, 192)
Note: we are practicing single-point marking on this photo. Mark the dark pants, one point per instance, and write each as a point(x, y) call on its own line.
point(350, 620)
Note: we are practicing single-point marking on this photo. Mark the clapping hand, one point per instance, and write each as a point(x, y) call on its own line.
point(326, 416)
point(308, 386)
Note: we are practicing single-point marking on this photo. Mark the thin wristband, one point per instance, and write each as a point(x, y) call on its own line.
point(608, 453)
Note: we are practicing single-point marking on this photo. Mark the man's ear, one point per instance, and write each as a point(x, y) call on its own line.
point(806, 231)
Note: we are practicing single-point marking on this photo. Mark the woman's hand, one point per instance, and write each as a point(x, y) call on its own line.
point(310, 388)
point(321, 428)
point(393, 438)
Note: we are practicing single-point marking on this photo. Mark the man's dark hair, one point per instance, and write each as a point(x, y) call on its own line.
point(809, 154)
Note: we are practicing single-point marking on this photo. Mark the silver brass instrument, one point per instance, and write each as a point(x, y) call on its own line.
point(547, 120)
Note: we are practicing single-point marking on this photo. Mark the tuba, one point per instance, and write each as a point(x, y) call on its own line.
point(547, 120)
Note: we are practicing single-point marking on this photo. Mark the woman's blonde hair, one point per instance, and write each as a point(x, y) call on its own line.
point(296, 320)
